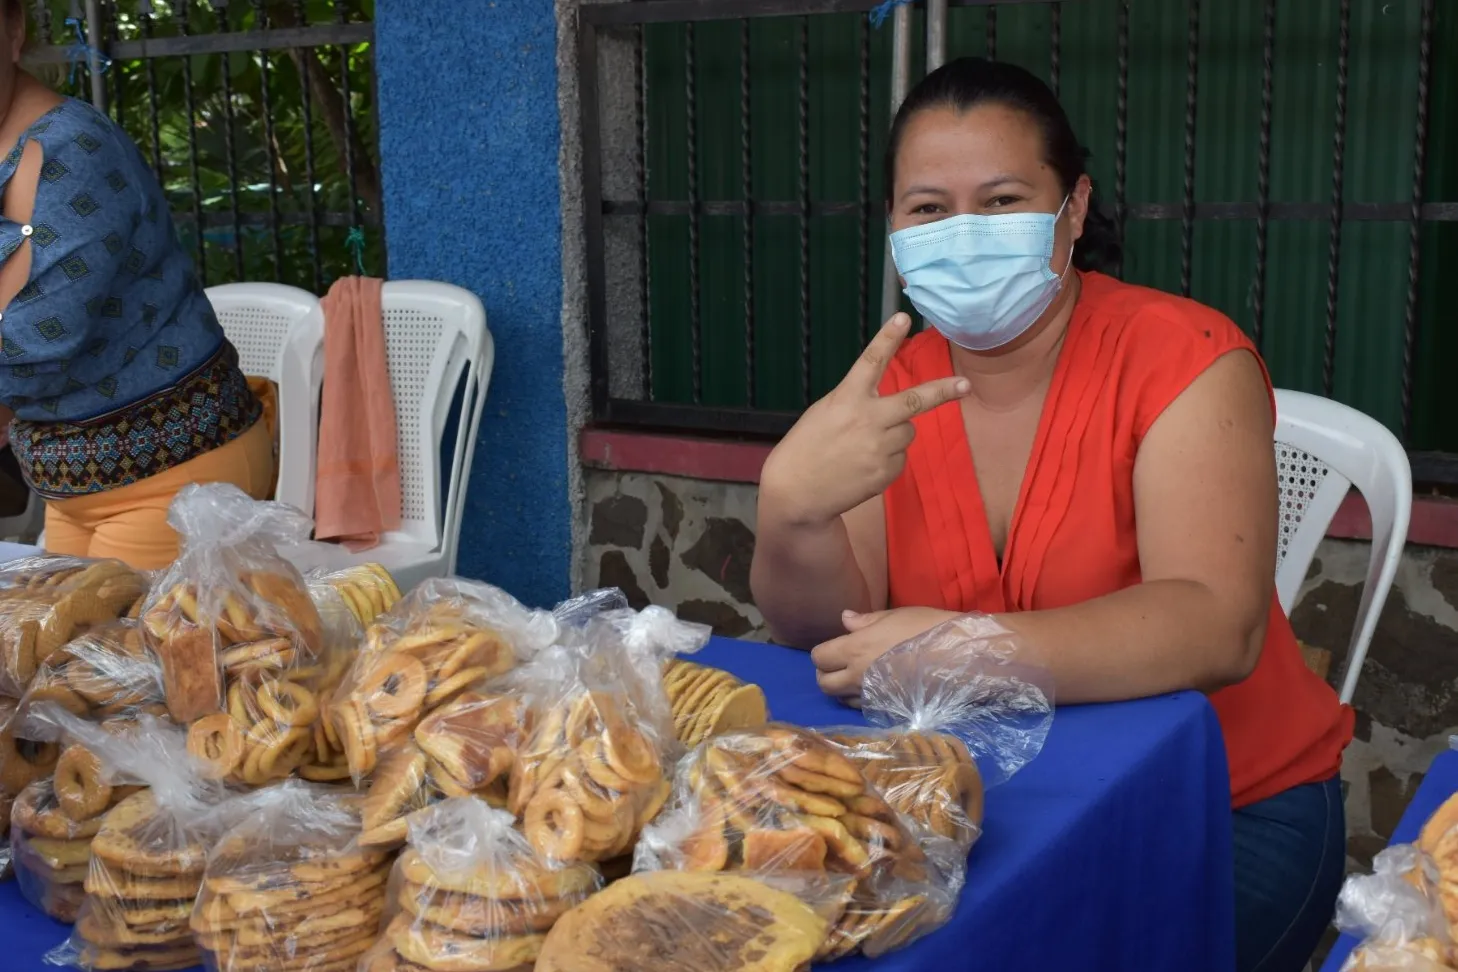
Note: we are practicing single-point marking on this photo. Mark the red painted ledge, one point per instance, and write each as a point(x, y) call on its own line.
point(1434, 518)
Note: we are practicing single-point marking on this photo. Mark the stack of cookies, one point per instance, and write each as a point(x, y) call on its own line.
point(472, 895)
point(54, 822)
point(144, 874)
point(305, 908)
point(465, 748)
point(46, 601)
point(927, 776)
point(22, 761)
point(784, 799)
point(50, 851)
point(588, 778)
point(413, 662)
point(104, 673)
point(476, 922)
point(367, 589)
point(707, 701)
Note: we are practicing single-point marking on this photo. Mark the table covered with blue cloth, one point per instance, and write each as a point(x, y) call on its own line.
point(1111, 851)
point(1439, 784)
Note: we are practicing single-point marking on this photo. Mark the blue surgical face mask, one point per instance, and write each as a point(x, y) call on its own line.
point(981, 280)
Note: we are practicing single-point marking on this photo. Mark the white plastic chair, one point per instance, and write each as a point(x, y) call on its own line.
point(435, 334)
point(1323, 449)
point(279, 333)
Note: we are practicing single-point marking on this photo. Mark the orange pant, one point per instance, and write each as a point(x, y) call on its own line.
point(130, 523)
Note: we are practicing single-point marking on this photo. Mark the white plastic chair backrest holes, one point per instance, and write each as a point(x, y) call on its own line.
point(278, 331)
point(435, 336)
point(1323, 449)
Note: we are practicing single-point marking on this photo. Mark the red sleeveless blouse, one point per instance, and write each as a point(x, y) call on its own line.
point(1129, 353)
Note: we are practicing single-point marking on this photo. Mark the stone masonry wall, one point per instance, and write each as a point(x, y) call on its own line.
point(686, 544)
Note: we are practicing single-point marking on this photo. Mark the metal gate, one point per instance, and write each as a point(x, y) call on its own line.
point(257, 116)
point(1278, 165)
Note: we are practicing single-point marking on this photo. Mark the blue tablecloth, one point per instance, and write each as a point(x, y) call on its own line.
point(1110, 852)
point(1439, 784)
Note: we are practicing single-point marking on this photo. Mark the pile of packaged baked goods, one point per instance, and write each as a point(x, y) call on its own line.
point(235, 765)
point(1406, 911)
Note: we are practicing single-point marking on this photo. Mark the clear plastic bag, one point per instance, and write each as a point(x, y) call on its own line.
point(470, 894)
point(242, 647)
point(951, 710)
point(106, 673)
point(1397, 912)
point(146, 857)
point(591, 772)
point(1439, 840)
point(49, 852)
point(367, 590)
point(671, 921)
point(45, 601)
point(22, 760)
point(785, 800)
point(467, 747)
point(289, 889)
point(444, 638)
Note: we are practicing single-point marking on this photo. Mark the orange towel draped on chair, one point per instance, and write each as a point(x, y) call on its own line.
point(357, 497)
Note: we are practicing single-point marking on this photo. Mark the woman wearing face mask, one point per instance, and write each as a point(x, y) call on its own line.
point(1088, 461)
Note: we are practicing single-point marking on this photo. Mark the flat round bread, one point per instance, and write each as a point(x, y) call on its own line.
point(134, 838)
point(523, 882)
point(710, 922)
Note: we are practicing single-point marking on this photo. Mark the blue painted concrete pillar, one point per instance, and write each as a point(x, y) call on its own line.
point(468, 141)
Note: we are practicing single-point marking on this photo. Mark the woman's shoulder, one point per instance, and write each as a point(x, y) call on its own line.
point(1144, 347)
point(1154, 321)
point(81, 141)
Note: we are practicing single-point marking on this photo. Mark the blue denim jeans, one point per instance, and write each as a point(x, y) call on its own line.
point(1290, 858)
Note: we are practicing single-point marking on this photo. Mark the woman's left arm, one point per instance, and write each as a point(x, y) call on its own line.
point(1205, 505)
point(1206, 508)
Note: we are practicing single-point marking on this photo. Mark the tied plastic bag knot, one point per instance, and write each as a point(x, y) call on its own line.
point(462, 834)
point(1393, 903)
point(966, 677)
point(223, 515)
point(577, 611)
point(658, 632)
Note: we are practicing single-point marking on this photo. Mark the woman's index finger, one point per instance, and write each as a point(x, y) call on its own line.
point(868, 370)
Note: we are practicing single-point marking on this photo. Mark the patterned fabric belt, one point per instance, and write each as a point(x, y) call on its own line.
point(206, 410)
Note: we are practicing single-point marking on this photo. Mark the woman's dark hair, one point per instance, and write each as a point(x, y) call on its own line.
point(970, 81)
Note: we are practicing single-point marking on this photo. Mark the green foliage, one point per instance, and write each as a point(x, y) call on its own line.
point(266, 166)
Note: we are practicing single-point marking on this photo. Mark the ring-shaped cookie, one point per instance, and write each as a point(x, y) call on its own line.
point(277, 747)
point(80, 790)
point(595, 804)
point(217, 743)
point(357, 737)
point(553, 823)
point(395, 687)
point(288, 703)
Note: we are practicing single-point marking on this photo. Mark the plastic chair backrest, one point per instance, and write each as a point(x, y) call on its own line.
point(435, 335)
point(1323, 449)
point(279, 333)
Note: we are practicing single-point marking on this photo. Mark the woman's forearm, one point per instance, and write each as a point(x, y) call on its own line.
point(1155, 637)
point(804, 575)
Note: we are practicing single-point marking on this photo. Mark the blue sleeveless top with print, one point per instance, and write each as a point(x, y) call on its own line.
point(111, 356)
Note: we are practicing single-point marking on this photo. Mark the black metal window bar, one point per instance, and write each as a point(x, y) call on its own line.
point(647, 67)
point(258, 117)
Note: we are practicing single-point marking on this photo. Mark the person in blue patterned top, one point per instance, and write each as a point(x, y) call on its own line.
point(122, 386)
